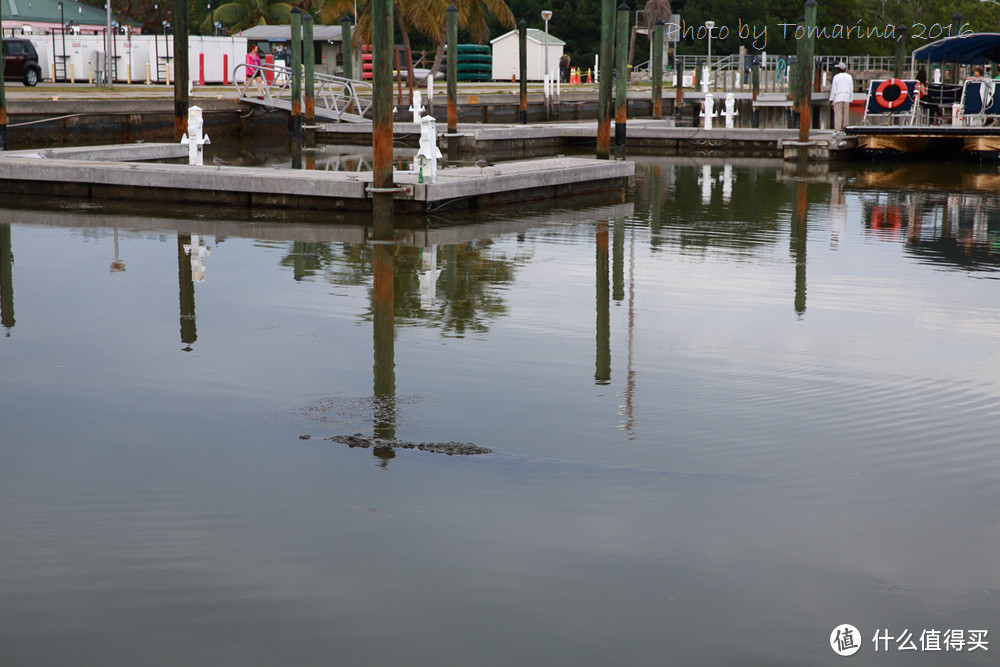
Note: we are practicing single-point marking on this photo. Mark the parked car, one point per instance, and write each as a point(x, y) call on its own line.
point(20, 61)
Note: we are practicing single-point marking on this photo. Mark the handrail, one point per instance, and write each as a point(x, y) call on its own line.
point(336, 98)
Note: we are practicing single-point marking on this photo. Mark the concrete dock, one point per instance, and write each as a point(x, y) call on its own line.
point(561, 178)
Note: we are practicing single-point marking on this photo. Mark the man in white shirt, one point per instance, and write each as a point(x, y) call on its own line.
point(841, 95)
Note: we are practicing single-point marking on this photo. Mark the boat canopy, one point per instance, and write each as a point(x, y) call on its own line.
point(971, 49)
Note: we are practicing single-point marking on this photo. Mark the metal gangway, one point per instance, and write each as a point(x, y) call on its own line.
point(337, 99)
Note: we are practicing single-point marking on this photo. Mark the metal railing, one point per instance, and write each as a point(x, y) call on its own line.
point(337, 98)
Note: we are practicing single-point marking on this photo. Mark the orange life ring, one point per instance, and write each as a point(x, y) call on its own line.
point(891, 104)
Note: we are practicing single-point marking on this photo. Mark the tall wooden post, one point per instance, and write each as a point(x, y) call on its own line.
point(804, 68)
point(296, 118)
point(522, 66)
point(956, 29)
point(347, 46)
point(3, 105)
point(621, 85)
point(309, 94)
point(900, 59)
point(606, 66)
point(658, 70)
point(181, 69)
point(452, 28)
point(382, 49)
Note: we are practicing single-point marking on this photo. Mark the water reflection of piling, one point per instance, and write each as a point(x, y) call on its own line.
point(655, 223)
point(185, 282)
point(798, 245)
point(6, 279)
point(383, 325)
point(618, 261)
point(602, 372)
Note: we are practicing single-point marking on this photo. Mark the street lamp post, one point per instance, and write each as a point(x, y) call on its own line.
point(546, 15)
point(708, 65)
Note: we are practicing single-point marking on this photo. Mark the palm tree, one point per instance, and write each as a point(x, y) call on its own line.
point(243, 14)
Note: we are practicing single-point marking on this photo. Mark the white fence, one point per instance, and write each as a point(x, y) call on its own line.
point(138, 58)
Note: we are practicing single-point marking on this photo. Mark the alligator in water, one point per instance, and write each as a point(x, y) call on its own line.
point(449, 448)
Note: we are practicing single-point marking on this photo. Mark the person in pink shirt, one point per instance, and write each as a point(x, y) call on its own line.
point(253, 70)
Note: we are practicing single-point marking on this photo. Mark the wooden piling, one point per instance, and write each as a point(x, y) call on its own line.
point(181, 69)
point(295, 119)
point(522, 65)
point(606, 66)
point(347, 46)
point(309, 94)
point(452, 28)
point(621, 84)
point(658, 70)
point(806, 49)
point(382, 49)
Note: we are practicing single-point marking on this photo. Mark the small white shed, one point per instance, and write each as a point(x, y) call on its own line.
point(506, 53)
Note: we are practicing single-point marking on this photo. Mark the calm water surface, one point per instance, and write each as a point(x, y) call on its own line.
point(729, 414)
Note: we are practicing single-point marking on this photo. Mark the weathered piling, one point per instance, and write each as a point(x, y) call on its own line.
point(522, 65)
point(606, 66)
point(309, 94)
point(347, 46)
point(452, 28)
point(181, 69)
point(658, 70)
point(295, 119)
point(382, 48)
point(621, 84)
point(956, 29)
point(3, 105)
point(900, 59)
point(806, 48)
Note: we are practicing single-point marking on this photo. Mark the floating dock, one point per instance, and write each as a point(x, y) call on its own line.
point(936, 139)
point(104, 178)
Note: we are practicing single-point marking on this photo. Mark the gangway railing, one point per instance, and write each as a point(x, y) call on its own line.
point(337, 98)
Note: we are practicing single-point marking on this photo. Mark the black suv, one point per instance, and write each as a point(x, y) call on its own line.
point(21, 61)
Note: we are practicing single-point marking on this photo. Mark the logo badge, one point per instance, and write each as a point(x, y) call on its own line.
point(845, 639)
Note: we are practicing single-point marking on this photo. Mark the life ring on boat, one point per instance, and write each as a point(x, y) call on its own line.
point(900, 86)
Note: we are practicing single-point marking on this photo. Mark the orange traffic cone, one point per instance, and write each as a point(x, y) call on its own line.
point(574, 75)
point(513, 75)
point(589, 80)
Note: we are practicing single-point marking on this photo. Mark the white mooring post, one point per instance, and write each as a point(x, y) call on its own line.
point(709, 113)
point(194, 138)
point(417, 107)
point(730, 112)
point(426, 160)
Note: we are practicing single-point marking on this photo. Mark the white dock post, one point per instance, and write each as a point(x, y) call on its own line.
point(730, 112)
point(194, 138)
point(428, 153)
point(417, 107)
point(709, 111)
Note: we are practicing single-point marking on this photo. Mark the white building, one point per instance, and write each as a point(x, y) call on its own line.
point(506, 50)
